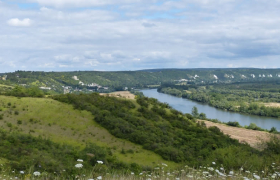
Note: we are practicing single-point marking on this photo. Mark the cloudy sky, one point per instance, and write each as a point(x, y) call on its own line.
point(65, 35)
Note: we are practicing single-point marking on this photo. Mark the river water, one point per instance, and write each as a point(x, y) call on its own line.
point(186, 105)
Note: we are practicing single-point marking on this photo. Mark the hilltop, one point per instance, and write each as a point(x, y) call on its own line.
point(98, 81)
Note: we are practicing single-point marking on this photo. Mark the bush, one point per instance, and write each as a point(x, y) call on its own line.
point(234, 124)
point(273, 130)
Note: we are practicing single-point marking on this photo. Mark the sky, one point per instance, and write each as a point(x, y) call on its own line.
point(115, 35)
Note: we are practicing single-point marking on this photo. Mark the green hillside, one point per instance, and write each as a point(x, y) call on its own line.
point(89, 81)
point(60, 123)
point(169, 133)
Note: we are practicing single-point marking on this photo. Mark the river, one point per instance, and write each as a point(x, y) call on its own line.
point(186, 105)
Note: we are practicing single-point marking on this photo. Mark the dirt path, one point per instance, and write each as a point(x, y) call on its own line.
point(252, 137)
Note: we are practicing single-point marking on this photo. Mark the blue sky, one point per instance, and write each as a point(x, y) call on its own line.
point(66, 35)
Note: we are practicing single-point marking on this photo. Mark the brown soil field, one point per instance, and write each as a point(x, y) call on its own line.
point(252, 137)
point(120, 94)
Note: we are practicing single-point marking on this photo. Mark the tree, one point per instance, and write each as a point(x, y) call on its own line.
point(195, 112)
point(202, 116)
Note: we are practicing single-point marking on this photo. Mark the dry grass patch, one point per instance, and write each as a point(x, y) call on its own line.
point(275, 105)
point(252, 137)
point(120, 94)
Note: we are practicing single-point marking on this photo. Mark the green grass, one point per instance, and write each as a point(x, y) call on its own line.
point(63, 124)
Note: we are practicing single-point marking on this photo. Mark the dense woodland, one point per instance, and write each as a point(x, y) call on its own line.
point(250, 98)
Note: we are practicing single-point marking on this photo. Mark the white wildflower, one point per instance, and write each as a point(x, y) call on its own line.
point(100, 162)
point(78, 165)
point(256, 176)
point(231, 172)
point(99, 177)
point(132, 173)
point(80, 160)
point(36, 173)
point(213, 163)
point(21, 172)
point(164, 164)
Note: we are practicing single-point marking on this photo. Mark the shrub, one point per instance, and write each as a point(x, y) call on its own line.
point(234, 124)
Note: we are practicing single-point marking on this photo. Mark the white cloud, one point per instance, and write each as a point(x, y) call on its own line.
point(85, 3)
point(17, 22)
point(202, 33)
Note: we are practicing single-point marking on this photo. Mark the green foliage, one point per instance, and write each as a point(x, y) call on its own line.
point(253, 126)
point(273, 146)
point(165, 131)
point(136, 79)
point(273, 130)
point(20, 91)
point(238, 97)
point(234, 124)
point(195, 112)
point(25, 151)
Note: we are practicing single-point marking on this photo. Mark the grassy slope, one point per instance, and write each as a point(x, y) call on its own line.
point(62, 124)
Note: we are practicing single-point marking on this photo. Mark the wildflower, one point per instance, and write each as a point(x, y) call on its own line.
point(36, 173)
point(210, 168)
point(256, 176)
point(100, 162)
point(132, 173)
point(241, 169)
point(247, 171)
point(231, 172)
point(99, 177)
point(90, 179)
point(80, 160)
point(213, 163)
point(78, 165)
point(221, 169)
point(164, 164)
point(21, 172)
